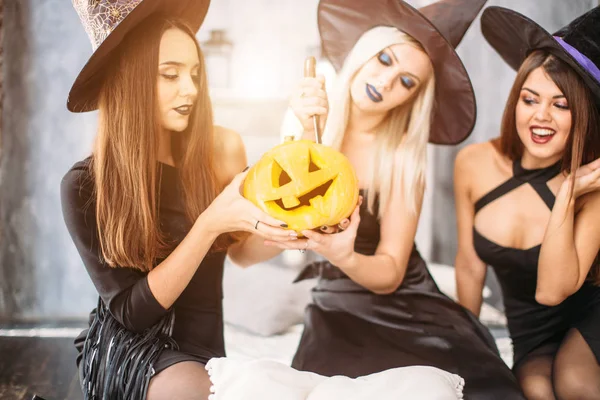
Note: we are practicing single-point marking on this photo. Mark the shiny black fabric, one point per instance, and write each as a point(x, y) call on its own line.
point(353, 332)
point(532, 325)
point(198, 327)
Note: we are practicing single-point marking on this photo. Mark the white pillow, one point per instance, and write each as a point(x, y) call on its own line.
point(445, 279)
point(271, 380)
point(262, 299)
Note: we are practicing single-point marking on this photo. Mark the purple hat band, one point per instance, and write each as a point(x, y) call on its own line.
point(585, 62)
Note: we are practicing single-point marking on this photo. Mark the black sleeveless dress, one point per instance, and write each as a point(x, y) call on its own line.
point(351, 331)
point(534, 327)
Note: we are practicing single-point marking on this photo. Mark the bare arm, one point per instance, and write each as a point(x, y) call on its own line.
point(470, 270)
point(572, 239)
point(383, 272)
point(250, 250)
point(137, 299)
point(308, 100)
point(168, 279)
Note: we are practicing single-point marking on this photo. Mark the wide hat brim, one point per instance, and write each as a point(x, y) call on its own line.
point(514, 37)
point(84, 93)
point(341, 23)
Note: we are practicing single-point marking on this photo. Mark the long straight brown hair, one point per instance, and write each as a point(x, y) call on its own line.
point(583, 142)
point(125, 164)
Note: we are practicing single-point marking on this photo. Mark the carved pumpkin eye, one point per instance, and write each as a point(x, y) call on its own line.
point(305, 184)
point(302, 199)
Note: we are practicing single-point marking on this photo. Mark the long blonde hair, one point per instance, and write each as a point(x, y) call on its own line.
point(400, 154)
point(125, 165)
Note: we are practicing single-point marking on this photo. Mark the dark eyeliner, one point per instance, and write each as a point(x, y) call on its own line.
point(407, 82)
point(384, 58)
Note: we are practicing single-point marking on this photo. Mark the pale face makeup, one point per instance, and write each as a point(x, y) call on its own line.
point(178, 70)
point(390, 78)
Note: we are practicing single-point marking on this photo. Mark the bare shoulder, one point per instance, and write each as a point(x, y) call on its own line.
point(230, 152)
point(479, 167)
point(476, 156)
point(228, 141)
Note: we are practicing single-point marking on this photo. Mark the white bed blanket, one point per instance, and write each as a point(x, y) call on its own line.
point(235, 379)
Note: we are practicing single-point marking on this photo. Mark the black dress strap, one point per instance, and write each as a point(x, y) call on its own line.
point(545, 193)
point(537, 178)
point(499, 191)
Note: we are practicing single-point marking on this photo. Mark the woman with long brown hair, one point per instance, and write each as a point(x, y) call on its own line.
point(152, 211)
point(528, 204)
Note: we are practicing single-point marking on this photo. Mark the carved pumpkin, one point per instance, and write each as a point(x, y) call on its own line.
point(303, 183)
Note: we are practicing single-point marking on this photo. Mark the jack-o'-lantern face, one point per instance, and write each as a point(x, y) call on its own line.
point(305, 184)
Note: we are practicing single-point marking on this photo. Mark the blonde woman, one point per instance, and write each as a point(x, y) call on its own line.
point(376, 305)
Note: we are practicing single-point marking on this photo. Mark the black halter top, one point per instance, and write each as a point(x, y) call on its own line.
point(530, 324)
point(516, 268)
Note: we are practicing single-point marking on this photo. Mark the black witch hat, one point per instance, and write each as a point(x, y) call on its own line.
point(439, 27)
point(514, 36)
point(107, 22)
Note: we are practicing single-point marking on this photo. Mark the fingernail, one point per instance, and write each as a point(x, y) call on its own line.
point(284, 225)
point(246, 169)
point(294, 234)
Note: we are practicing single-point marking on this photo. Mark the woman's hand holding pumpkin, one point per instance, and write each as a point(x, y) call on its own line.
point(308, 100)
point(231, 212)
point(336, 247)
point(336, 228)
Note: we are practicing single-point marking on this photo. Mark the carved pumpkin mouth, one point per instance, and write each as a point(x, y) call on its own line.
point(305, 199)
point(302, 200)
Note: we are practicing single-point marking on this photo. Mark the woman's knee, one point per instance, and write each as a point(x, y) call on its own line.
point(535, 377)
point(537, 388)
point(570, 384)
point(186, 380)
point(576, 373)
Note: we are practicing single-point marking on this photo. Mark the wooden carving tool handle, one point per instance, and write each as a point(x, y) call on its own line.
point(309, 72)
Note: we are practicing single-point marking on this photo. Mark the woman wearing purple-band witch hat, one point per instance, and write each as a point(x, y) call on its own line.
point(528, 204)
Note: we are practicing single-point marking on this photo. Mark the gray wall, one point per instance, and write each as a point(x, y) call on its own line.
point(45, 47)
point(40, 272)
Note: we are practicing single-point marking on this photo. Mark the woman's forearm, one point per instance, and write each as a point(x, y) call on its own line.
point(377, 273)
point(169, 279)
point(251, 251)
point(558, 267)
point(469, 289)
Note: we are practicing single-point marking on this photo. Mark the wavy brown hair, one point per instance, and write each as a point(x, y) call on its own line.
point(125, 165)
point(583, 142)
